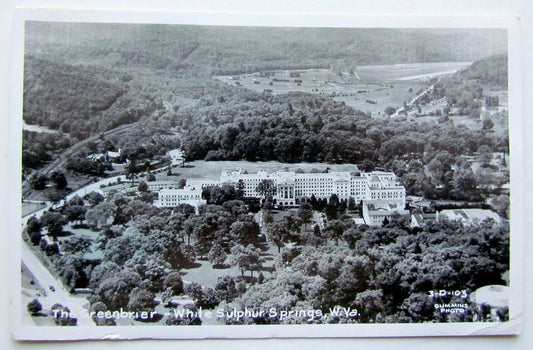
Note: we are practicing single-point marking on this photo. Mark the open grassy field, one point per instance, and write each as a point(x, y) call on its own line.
point(94, 235)
point(371, 89)
point(212, 169)
point(408, 71)
point(28, 208)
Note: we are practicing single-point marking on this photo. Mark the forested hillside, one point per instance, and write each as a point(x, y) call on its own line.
point(490, 72)
point(98, 76)
point(83, 79)
point(79, 100)
point(466, 89)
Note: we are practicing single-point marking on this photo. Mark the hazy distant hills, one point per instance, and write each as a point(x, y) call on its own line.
point(240, 49)
point(84, 78)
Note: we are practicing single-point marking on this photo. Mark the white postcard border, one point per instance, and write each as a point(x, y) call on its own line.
point(513, 26)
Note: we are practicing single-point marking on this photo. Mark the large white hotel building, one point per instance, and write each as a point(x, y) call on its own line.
point(291, 187)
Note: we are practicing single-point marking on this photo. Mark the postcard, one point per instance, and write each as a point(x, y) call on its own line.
point(258, 176)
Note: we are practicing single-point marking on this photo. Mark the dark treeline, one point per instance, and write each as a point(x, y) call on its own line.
point(304, 127)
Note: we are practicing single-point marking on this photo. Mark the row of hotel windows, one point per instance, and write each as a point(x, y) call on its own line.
point(358, 184)
point(174, 197)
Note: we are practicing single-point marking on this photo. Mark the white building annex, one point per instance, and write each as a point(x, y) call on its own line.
point(172, 197)
point(375, 211)
point(468, 216)
point(291, 187)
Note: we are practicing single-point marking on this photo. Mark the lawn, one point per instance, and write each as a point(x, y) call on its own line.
point(94, 235)
point(372, 89)
point(206, 275)
point(213, 169)
point(28, 208)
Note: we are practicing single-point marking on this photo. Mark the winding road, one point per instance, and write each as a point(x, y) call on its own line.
point(61, 159)
point(410, 104)
point(45, 277)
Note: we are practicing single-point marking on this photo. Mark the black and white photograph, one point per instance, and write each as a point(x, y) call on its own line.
point(191, 180)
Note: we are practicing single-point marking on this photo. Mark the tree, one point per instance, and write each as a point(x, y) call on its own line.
point(313, 201)
point(62, 315)
point(418, 307)
point(72, 269)
point(501, 205)
point(209, 299)
point(54, 196)
point(96, 216)
point(334, 230)
point(143, 187)
point(485, 155)
point(351, 236)
point(369, 304)
point(78, 245)
point(367, 165)
point(59, 179)
point(244, 232)
point(351, 204)
point(487, 124)
point(33, 229)
point(204, 236)
point(316, 231)
point(240, 187)
point(141, 300)
point(226, 289)
point(278, 233)
point(34, 307)
point(331, 212)
point(440, 166)
point(101, 321)
point(33, 225)
point(389, 111)
point(245, 258)
point(50, 249)
point(75, 212)
point(114, 290)
point(194, 290)
point(219, 194)
point(465, 185)
point(93, 198)
point(131, 170)
point(35, 237)
point(237, 208)
point(150, 177)
point(267, 189)
point(38, 182)
point(187, 255)
point(305, 214)
point(216, 255)
point(174, 281)
point(53, 222)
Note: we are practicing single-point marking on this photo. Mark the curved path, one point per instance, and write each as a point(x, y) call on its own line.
point(45, 277)
point(60, 295)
